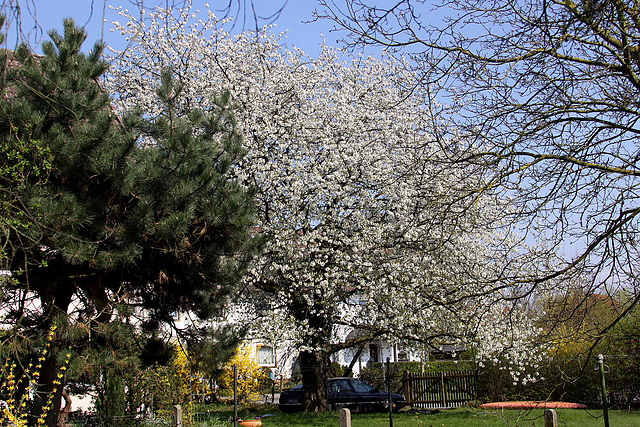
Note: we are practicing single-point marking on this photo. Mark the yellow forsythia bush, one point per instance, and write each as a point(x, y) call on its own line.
point(250, 375)
point(13, 412)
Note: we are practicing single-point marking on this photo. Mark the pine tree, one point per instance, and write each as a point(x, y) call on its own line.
point(142, 212)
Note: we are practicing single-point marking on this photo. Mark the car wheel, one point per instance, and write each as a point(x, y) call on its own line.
point(367, 408)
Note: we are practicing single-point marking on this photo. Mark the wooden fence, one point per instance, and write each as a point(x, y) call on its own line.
point(440, 390)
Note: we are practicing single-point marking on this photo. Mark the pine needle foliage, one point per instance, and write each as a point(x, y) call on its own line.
point(101, 213)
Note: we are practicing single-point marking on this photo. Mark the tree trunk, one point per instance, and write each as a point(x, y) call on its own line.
point(314, 366)
point(314, 362)
point(48, 376)
point(349, 370)
point(64, 412)
point(56, 301)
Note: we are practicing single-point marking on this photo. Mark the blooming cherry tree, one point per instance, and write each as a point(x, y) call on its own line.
point(363, 227)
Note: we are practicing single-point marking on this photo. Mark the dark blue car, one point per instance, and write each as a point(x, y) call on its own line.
point(350, 393)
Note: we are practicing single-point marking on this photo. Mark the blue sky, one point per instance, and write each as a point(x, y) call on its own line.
point(89, 13)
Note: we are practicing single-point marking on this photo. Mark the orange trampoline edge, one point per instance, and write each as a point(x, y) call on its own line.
point(532, 405)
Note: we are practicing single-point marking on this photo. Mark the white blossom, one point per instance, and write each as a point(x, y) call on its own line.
point(363, 223)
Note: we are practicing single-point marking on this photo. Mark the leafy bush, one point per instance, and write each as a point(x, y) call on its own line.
point(251, 377)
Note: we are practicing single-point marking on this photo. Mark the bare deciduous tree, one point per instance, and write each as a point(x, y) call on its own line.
point(548, 91)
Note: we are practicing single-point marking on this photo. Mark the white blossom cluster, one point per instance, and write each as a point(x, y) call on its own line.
point(364, 227)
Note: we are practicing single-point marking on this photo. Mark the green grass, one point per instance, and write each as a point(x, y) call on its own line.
point(462, 417)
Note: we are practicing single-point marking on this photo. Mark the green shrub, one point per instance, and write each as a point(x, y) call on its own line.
point(572, 380)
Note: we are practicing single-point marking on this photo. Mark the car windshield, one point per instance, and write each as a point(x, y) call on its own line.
point(360, 386)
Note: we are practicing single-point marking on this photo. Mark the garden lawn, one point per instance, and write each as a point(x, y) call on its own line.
point(462, 417)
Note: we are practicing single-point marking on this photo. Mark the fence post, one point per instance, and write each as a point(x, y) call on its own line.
point(273, 389)
point(176, 419)
point(476, 380)
point(443, 392)
point(407, 387)
point(389, 393)
point(605, 410)
point(235, 395)
point(550, 418)
point(345, 417)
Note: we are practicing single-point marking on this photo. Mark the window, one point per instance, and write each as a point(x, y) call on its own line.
point(373, 353)
point(340, 385)
point(266, 356)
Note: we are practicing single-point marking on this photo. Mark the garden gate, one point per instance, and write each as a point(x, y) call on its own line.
point(447, 389)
